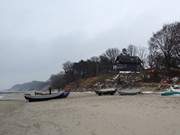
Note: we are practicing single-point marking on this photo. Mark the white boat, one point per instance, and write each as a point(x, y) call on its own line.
point(173, 90)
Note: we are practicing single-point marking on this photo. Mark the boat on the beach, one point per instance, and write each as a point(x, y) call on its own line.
point(41, 93)
point(173, 90)
point(108, 91)
point(129, 92)
point(31, 98)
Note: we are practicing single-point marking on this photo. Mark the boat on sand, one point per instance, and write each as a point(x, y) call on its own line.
point(31, 98)
point(129, 92)
point(173, 90)
point(107, 91)
point(41, 93)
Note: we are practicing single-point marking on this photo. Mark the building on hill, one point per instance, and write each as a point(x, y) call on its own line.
point(128, 63)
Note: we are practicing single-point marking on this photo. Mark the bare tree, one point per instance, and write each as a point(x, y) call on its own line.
point(67, 66)
point(57, 81)
point(165, 44)
point(94, 59)
point(112, 53)
point(142, 53)
point(132, 50)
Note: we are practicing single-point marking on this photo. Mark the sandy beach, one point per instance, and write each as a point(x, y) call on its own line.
point(89, 114)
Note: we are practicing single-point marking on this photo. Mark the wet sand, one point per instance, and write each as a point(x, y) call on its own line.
point(88, 114)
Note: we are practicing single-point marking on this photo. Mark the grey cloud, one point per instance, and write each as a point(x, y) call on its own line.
point(37, 36)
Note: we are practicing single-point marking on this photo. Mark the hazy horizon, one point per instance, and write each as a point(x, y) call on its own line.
point(37, 36)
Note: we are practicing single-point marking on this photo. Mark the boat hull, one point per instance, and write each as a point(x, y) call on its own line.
point(129, 92)
point(170, 93)
point(31, 98)
point(105, 92)
point(41, 93)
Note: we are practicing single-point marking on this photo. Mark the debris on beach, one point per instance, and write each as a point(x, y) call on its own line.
point(127, 78)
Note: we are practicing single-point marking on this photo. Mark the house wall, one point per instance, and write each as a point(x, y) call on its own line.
point(127, 67)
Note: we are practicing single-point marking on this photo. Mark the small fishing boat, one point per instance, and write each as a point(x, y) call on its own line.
point(173, 90)
point(129, 92)
point(108, 91)
point(46, 92)
point(31, 98)
point(41, 93)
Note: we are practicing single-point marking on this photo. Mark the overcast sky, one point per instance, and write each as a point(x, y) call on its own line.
point(37, 36)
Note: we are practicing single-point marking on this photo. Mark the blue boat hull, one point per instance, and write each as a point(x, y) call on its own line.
point(31, 98)
point(170, 93)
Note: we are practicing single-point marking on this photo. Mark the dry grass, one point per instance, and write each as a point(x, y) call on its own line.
point(88, 83)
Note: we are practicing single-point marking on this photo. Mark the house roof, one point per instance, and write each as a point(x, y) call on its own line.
point(126, 59)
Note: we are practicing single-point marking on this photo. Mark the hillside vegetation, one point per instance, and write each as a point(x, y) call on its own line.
point(90, 83)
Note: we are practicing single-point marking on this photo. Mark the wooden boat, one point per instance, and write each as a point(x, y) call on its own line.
point(110, 91)
point(46, 92)
point(173, 90)
point(31, 98)
point(129, 92)
point(41, 93)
